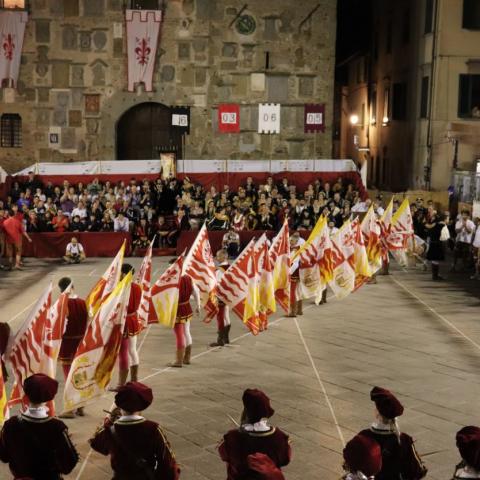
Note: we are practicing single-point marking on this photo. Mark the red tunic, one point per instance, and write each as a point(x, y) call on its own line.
point(132, 323)
point(184, 312)
point(77, 319)
point(237, 445)
point(144, 439)
point(13, 228)
point(37, 448)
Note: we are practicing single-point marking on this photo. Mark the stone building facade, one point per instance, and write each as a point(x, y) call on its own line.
point(73, 77)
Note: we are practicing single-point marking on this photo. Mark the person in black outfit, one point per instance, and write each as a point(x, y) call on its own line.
point(468, 444)
point(400, 460)
point(435, 253)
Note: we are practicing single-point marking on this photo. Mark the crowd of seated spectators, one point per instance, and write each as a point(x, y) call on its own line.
point(165, 207)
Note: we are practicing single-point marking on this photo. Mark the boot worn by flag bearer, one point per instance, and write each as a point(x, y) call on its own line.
point(137, 447)
point(182, 322)
point(254, 436)
point(77, 319)
point(35, 445)
point(128, 359)
point(223, 314)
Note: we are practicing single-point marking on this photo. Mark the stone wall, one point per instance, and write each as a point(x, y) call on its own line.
point(74, 54)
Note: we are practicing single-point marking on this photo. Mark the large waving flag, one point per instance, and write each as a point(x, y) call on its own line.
point(316, 262)
point(106, 284)
point(26, 352)
point(266, 289)
point(54, 330)
point(402, 223)
point(200, 267)
point(280, 258)
point(95, 359)
point(238, 288)
point(165, 293)
point(372, 234)
point(363, 272)
point(144, 279)
point(343, 242)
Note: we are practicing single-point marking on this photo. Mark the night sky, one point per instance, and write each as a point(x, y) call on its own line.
point(354, 29)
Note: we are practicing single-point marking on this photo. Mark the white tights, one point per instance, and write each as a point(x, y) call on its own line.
point(132, 351)
point(188, 336)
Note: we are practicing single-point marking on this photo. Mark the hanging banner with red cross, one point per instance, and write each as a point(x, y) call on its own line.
point(314, 118)
point(143, 31)
point(12, 31)
point(229, 118)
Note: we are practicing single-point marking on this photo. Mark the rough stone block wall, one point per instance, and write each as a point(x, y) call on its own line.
point(75, 54)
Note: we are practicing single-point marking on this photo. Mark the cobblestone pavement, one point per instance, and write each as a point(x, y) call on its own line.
point(408, 334)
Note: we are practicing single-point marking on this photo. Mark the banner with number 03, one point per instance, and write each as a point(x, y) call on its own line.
point(269, 118)
point(229, 118)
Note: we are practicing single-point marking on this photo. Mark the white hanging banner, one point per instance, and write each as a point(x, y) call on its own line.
point(143, 30)
point(12, 31)
point(269, 118)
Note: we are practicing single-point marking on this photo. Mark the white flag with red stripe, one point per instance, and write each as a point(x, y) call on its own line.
point(144, 279)
point(27, 351)
point(200, 267)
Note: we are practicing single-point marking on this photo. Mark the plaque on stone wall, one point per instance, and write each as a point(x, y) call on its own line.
point(92, 104)
point(75, 118)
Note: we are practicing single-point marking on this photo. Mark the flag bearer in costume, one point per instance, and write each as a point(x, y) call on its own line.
point(468, 443)
point(400, 460)
point(77, 320)
point(35, 445)
point(223, 315)
point(363, 458)
point(182, 323)
point(296, 304)
point(128, 359)
point(241, 447)
point(137, 447)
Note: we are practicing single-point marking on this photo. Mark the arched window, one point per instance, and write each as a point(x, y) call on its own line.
point(16, 4)
point(11, 130)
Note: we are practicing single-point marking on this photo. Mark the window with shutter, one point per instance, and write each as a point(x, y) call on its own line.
point(471, 14)
point(469, 96)
point(11, 130)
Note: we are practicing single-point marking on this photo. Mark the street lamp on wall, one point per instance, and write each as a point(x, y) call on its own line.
point(385, 121)
point(354, 119)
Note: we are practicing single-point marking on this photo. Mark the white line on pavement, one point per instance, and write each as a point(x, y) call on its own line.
point(23, 311)
point(92, 272)
point(438, 315)
point(322, 386)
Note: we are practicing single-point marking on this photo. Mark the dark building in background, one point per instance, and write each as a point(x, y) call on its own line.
point(409, 102)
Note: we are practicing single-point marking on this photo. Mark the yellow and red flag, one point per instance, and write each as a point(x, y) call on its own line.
point(92, 367)
point(363, 272)
point(280, 258)
point(372, 234)
point(4, 413)
point(144, 279)
point(343, 242)
point(316, 262)
point(200, 267)
point(266, 289)
point(165, 294)
point(106, 284)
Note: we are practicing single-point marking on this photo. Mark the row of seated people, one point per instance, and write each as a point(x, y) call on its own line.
point(165, 207)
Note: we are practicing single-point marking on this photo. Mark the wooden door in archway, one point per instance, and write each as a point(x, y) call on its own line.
point(144, 132)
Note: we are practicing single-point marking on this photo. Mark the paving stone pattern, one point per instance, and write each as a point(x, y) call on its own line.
point(382, 335)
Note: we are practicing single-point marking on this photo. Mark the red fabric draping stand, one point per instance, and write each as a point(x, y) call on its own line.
point(187, 238)
point(52, 245)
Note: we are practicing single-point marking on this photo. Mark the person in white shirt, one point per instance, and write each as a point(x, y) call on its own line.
point(464, 229)
point(121, 223)
point(74, 253)
point(80, 210)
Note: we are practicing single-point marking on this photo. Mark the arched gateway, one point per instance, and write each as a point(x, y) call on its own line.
point(144, 132)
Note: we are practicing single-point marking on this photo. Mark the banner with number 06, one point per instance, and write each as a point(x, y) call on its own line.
point(269, 118)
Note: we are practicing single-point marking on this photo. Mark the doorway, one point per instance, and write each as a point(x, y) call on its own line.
point(144, 132)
